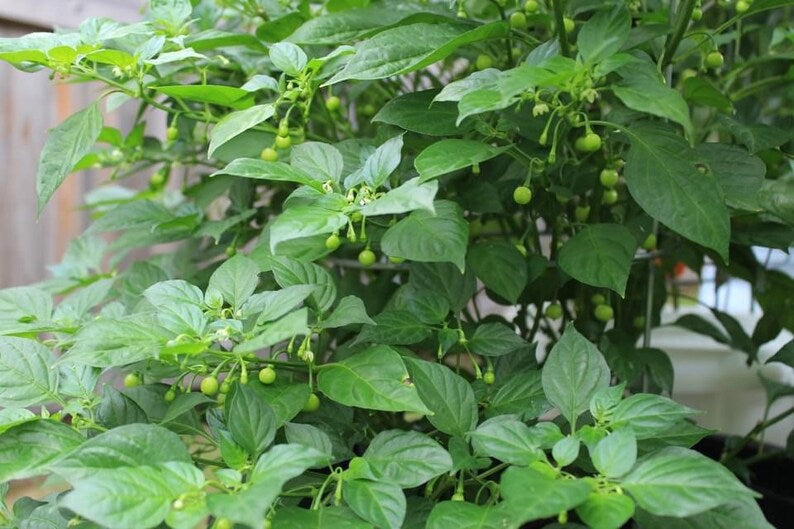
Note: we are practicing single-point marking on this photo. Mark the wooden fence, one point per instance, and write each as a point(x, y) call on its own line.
point(30, 104)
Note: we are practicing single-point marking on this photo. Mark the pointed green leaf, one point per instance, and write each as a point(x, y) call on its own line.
point(374, 379)
point(66, 144)
point(600, 255)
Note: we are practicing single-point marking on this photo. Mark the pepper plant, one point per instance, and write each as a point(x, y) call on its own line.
point(401, 263)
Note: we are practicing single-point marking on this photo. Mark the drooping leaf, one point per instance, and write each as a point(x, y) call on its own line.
point(600, 255)
point(448, 396)
point(430, 237)
point(65, 146)
point(662, 177)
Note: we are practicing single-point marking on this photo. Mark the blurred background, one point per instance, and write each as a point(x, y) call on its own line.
point(30, 104)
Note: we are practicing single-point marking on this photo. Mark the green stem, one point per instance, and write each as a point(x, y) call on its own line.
point(559, 20)
point(682, 18)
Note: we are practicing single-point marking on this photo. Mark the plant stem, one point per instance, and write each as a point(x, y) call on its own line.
point(682, 17)
point(559, 20)
point(760, 427)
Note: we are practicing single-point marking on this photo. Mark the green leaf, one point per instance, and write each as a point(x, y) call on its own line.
point(132, 498)
point(700, 325)
point(273, 171)
point(410, 196)
point(607, 510)
point(463, 515)
point(427, 307)
point(308, 435)
point(350, 311)
point(117, 409)
point(445, 280)
point(648, 415)
point(380, 164)
point(346, 26)
point(501, 268)
point(378, 502)
point(172, 12)
point(775, 197)
point(375, 379)
point(428, 237)
point(573, 372)
point(615, 454)
point(227, 96)
point(742, 512)
point(288, 58)
point(449, 155)
point(739, 174)
point(395, 327)
point(784, 355)
point(680, 482)
point(304, 221)
point(250, 419)
point(448, 396)
point(406, 458)
point(290, 272)
point(566, 450)
point(286, 400)
point(272, 305)
point(495, 339)
point(407, 48)
point(27, 376)
point(293, 324)
point(324, 517)
point(662, 177)
point(25, 303)
point(10, 417)
point(416, 112)
point(530, 495)
point(236, 279)
point(650, 95)
point(175, 291)
point(28, 449)
point(117, 342)
point(507, 439)
point(320, 160)
point(519, 393)
point(604, 34)
point(183, 403)
point(236, 123)
point(701, 91)
point(600, 255)
point(129, 446)
point(66, 144)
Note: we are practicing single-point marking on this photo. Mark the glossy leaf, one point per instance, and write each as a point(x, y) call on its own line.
point(573, 372)
point(374, 379)
point(680, 482)
point(448, 396)
point(662, 177)
point(600, 255)
point(430, 237)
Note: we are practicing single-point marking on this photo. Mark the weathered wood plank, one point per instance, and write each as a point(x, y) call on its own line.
point(67, 13)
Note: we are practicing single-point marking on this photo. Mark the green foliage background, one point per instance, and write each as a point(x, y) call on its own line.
point(347, 186)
